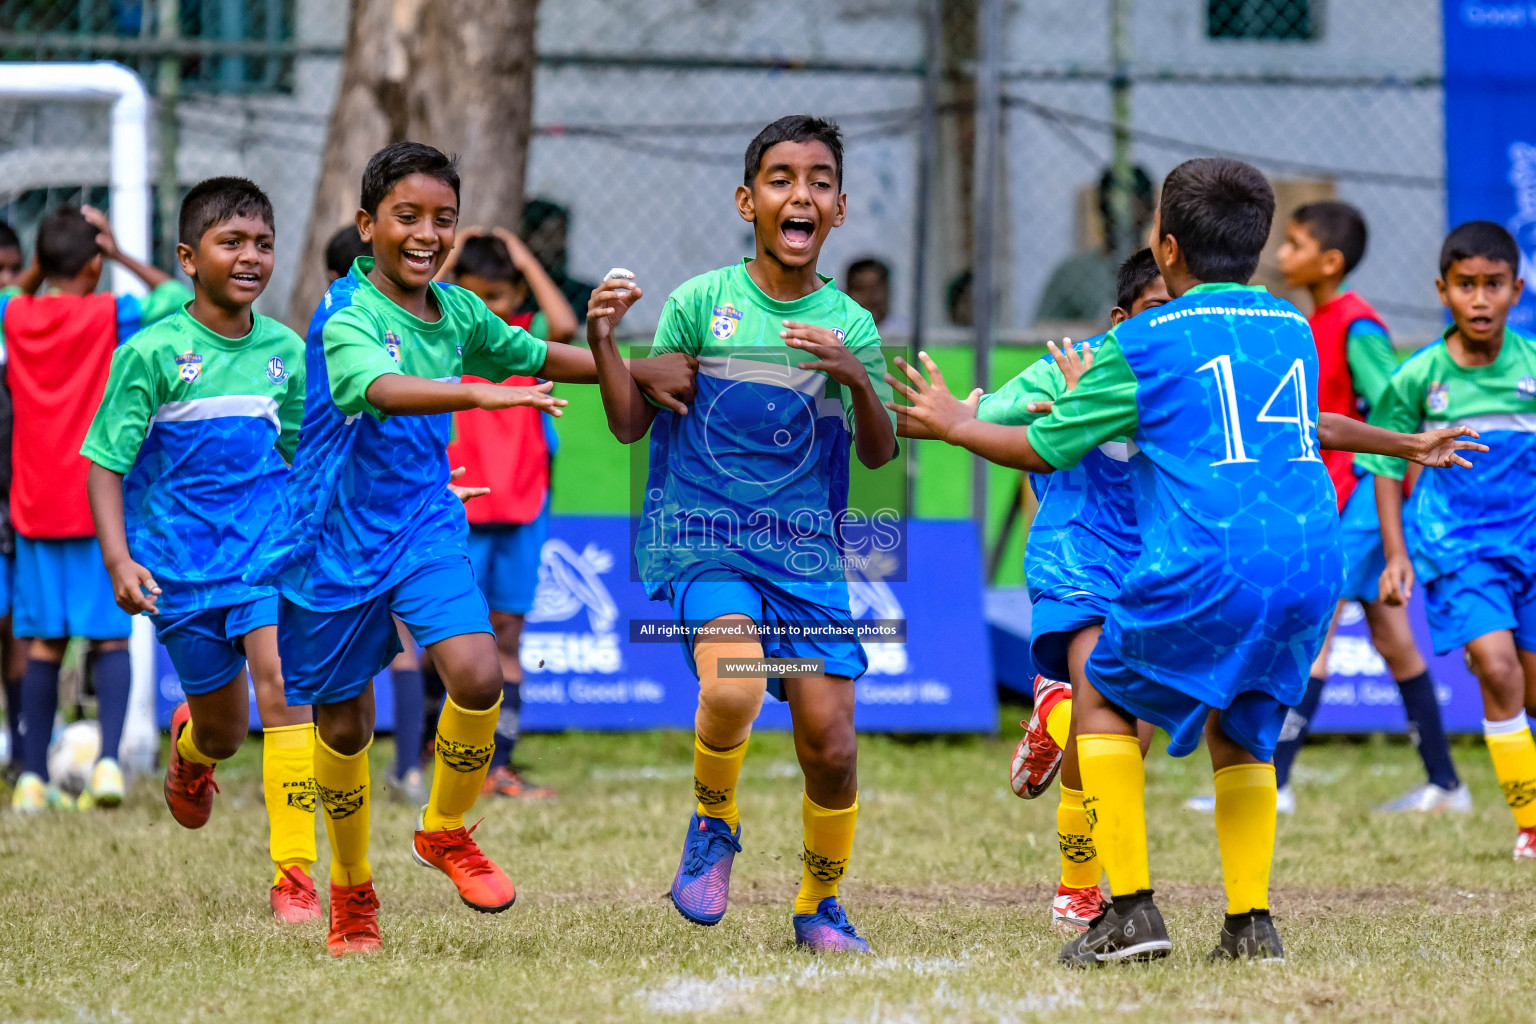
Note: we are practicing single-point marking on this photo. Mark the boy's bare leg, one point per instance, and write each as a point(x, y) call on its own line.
point(1505, 674)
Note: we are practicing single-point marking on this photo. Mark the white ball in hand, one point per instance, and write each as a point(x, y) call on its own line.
point(619, 274)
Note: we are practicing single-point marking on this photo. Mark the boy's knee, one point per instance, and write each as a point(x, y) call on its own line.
point(831, 752)
point(218, 740)
point(478, 687)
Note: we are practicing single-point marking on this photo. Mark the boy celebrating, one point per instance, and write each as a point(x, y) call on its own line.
point(509, 452)
point(1240, 564)
point(188, 455)
point(370, 529)
point(740, 528)
point(59, 346)
point(1324, 242)
point(1468, 536)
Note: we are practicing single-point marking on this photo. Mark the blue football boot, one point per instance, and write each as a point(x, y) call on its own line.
point(828, 930)
point(703, 883)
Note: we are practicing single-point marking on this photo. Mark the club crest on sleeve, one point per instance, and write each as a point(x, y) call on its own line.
point(189, 366)
point(1438, 397)
point(392, 345)
point(725, 321)
point(276, 371)
point(1525, 387)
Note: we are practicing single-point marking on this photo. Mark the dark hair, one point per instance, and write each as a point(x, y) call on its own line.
point(867, 265)
point(344, 247)
point(794, 128)
point(401, 160)
point(1220, 211)
point(1336, 226)
point(66, 242)
point(1479, 238)
point(216, 200)
point(8, 237)
point(1134, 276)
point(487, 257)
point(1141, 188)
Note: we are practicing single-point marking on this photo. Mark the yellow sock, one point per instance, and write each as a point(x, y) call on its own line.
point(1059, 722)
point(828, 845)
point(714, 780)
point(1514, 762)
point(288, 786)
point(1079, 863)
point(1245, 832)
point(188, 750)
point(1114, 799)
point(341, 781)
point(465, 740)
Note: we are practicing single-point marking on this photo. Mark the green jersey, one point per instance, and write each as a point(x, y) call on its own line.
point(201, 426)
point(1457, 515)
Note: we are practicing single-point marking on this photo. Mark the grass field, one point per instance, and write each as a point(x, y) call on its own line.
point(124, 916)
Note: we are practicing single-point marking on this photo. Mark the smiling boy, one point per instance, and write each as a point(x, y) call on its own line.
point(789, 367)
point(189, 452)
point(1468, 535)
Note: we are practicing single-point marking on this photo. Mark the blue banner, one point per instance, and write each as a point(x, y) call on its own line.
point(582, 670)
point(1490, 125)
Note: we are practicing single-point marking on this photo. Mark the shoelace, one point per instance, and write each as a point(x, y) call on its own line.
point(195, 782)
point(703, 853)
point(301, 892)
point(457, 846)
point(1085, 902)
point(838, 919)
point(1040, 757)
point(356, 909)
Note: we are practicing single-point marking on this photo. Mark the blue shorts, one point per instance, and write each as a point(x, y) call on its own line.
point(506, 562)
point(717, 590)
point(1052, 625)
point(7, 583)
point(208, 647)
point(1479, 598)
point(1364, 558)
point(329, 657)
point(1252, 720)
point(63, 590)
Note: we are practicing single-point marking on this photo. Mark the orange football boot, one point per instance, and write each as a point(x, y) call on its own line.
point(354, 920)
point(189, 786)
point(294, 900)
point(482, 885)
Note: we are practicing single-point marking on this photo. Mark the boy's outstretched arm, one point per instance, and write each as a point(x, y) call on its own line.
point(1397, 577)
point(1436, 448)
point(946, 418)
point(153, 277)
point(629, 414)
point(104, 489)
point(396, 394)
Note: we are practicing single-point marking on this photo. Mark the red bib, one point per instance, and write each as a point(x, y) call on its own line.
point(506, 451)
point(60, 352)
point(1335, 384)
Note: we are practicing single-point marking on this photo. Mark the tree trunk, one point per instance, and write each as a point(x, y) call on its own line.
point(455, 74)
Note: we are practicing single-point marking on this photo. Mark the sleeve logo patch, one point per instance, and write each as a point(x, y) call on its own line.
point(276, 371)
point(1438, 397)
point(189, 367)
point(1526, 388)
point(392, 345)
point(837, 332)
point(725, 321)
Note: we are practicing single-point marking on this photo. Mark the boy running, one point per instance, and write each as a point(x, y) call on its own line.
point(742, 519)
point(59, 346)
point(1468, 536)
point(189, 453)
point(370, 529)
point(1240, 566)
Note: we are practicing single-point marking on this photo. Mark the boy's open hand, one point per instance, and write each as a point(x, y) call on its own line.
point(464, 493)
point(667, 380)
point(129, 581)
point(1072, 364)
point(1397, 580)
point(831, 356)
point(106, 241)
point(933, 407)
point(609, 302)
point(503, 396)
point(1437, 448)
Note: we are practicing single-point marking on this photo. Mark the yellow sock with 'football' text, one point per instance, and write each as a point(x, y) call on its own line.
point(714, 780)
point(341, 781)
point(465, 740)
point(828, 846)
point(1079, 862)
point(288, 788)
point(1514, 762)
point(1245, 832)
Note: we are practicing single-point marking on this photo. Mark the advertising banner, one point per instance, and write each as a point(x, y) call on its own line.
point(1490, 125)
point(585, 667)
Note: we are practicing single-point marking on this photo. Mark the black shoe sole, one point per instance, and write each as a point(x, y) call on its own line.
point(488, 910)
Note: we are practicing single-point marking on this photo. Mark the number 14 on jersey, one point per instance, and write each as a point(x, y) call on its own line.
point(1293, 386)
